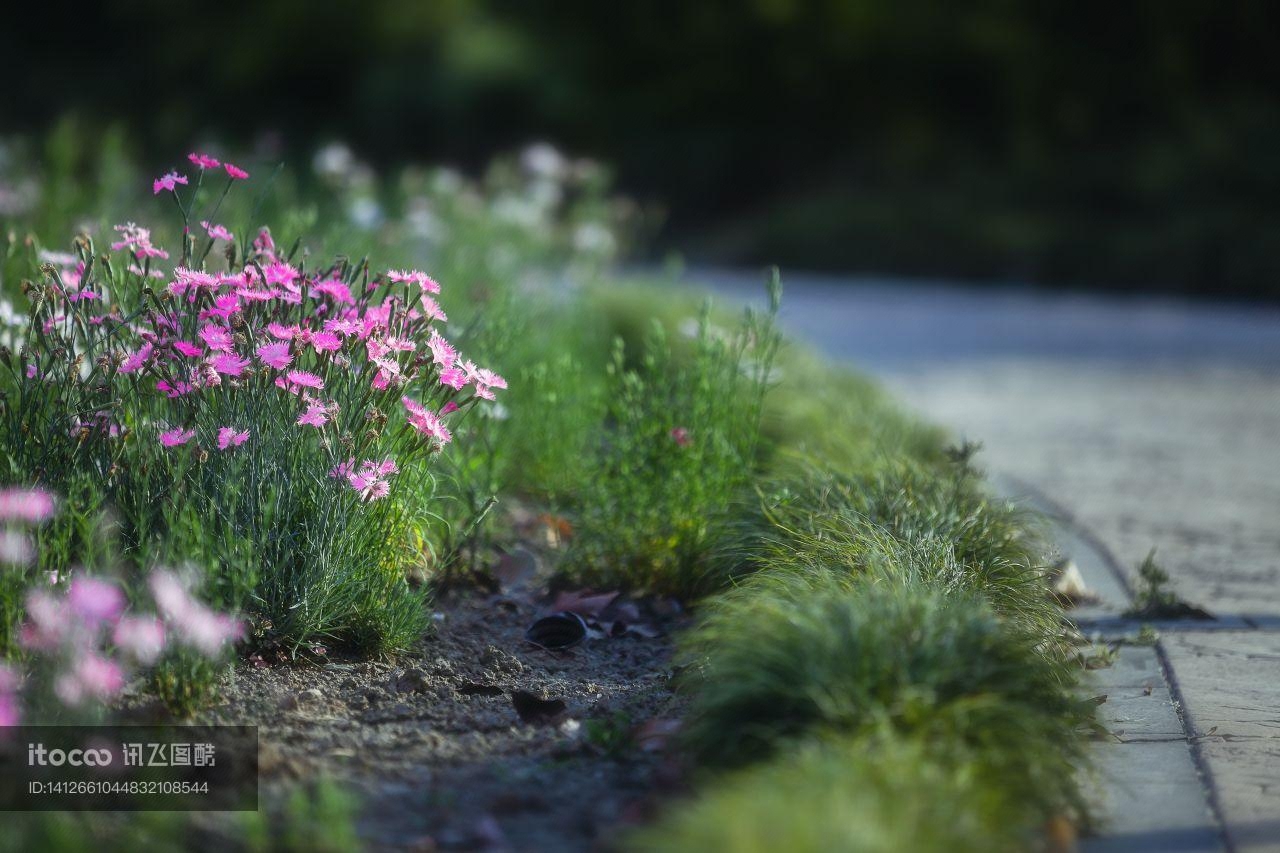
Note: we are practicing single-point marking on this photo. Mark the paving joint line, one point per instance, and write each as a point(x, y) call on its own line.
point(1191, 735)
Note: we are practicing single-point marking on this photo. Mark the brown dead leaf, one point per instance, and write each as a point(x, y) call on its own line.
point(519, 565)
point(558, 528)
point(583, 602)
point(1060, 834)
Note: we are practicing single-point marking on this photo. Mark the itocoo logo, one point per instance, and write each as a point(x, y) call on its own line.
point(38, 755)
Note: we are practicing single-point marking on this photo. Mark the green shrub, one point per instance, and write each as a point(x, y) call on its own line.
point(879, 794)
point(790, 656)
point(682, 437)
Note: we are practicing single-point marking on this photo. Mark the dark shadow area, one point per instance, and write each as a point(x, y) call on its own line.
point(1112, 145)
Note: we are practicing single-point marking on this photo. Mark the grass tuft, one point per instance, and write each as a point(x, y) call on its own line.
point(789, 656)
point(941, 527)
point(878, 794)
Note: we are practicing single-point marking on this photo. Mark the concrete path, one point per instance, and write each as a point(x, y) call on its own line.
point(1147, 423)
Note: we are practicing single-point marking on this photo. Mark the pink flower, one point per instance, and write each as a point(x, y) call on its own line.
point(32, 371)
point(235, 172)
point(204, 161)
point(217, 337)
point(303, 379)
point(342, 469)
point(207, 632)
point(388, 372)
point(94, 600)
point(188, 349)
point(425, 421)
point(137, 360)
point(344, 326)
point(30, 505)
point(400, 345)
point(454, 377)
point(263, 244)
point(448, 408)
point(334, 289)
point(249, 294)
point(142, 637)
point(138, 240)
point(229, 363)
point(281, 331)
point(224, 305)
point(170, 595)
point(281, 273)
point(371, 480)
point(442, 352)
point(275, 355)
point(48, 623)
point(185, 279)
point(175, 437)
point(92, 677)
point(169, 181)
point(190, 622)
point(315, 416)
point(175, 389)
point(228, 437)
point(680, 436)
point(377, 317)
point(489, 378)
point(433, 310)
point(421, 279)
point(326, 341)
point(375, 490)
point(217, 232)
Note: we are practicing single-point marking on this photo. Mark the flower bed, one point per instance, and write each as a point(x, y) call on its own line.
point(305, 442)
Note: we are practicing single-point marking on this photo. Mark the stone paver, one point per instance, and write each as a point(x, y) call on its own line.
point(1148, 795)
point(1231, 681)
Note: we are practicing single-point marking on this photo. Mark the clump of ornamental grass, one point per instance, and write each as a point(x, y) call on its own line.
point(815, 516)
point(284, 417)
point(790, 656)
point(682, 437)
point(882, 793)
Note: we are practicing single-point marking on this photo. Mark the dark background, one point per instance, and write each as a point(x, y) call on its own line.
point(1110, 145)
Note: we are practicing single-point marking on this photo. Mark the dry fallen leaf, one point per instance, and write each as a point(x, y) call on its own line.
point(519, 565)
point(583, 602)
point(1060, 834)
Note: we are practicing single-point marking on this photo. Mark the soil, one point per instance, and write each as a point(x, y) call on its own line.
point(477, 739)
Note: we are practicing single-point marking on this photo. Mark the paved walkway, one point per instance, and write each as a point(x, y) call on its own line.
point(1149, 423)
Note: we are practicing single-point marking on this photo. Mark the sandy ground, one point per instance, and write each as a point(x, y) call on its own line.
point(477, 739)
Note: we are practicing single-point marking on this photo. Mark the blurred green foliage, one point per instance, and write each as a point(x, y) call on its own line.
point(1134, 143)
